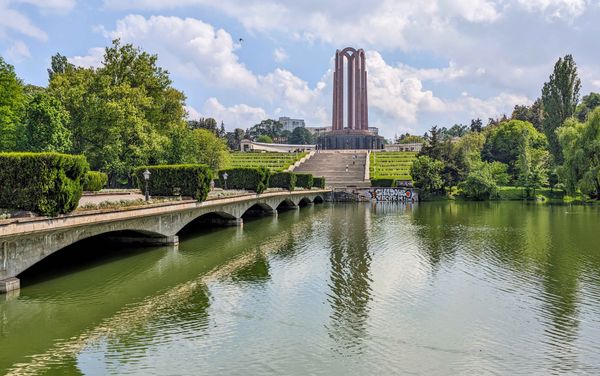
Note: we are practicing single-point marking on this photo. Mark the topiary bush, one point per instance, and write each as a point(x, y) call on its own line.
point(252, 179)
point(383, 183)
point(304, 181)
point(319, 182)
point(94, 181)
point(191, 180)
point(45, 183)
point(285, 180)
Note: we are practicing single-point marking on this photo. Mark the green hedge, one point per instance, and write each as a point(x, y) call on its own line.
point(383, 182)
point(94, 181)
point(285, 180)
point(304, 181)
point(252, 179)
point(319, 182)
point(45, 183)
point(192, 180)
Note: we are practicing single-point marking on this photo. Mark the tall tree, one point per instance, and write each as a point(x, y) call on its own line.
point(124, 113)
point(504, 143)
point(12, 105)
point(581, 147)
point(268, 127)
point(476, 125)
point(45, 126)
point(560, 96)
point(433, 146)
point(301, 136)
point(59, 64)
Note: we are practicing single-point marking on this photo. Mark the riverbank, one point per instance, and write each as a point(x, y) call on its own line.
point(508, 193)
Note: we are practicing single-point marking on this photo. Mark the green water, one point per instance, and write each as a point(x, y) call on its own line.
point(439, 288)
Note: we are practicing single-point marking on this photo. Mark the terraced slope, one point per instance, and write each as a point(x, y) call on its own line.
point(273, 161)
point(332, 165)
point(391, 165)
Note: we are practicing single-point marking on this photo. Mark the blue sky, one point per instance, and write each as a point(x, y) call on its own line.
point(436, 62)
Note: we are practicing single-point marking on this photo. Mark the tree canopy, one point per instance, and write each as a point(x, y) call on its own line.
point(560, 96)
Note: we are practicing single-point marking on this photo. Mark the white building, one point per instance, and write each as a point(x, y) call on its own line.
point(291, 124)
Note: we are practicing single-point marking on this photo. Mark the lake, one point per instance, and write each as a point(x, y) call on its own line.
point(434, 289)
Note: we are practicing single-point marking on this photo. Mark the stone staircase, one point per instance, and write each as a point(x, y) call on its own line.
point(332, 165)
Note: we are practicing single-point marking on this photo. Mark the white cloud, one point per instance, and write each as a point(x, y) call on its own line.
point(18, 51)
point(189, 47)
point(192, 113)
point(236, 116)
point(280, 55)
point(556, 9)
point(92, 59)
point(13, 21)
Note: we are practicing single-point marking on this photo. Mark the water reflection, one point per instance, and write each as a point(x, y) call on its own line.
point(350, 290)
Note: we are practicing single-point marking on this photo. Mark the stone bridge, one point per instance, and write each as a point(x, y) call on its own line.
point(24, 242)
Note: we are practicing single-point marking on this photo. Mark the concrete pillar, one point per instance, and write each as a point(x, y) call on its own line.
point(351, 92)
point(9, 284)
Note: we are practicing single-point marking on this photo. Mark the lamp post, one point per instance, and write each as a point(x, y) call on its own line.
point(225, 180)
point(146, 178)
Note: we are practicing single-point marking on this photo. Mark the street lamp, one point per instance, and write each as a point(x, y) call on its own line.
point(146, 178)
point(225, 180)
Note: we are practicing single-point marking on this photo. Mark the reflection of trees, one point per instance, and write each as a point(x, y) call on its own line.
point(436, 229)
point(539, 251)
point(350, 281)
point(256, 271)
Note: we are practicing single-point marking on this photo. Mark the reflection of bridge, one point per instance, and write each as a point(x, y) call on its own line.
point(25, 242)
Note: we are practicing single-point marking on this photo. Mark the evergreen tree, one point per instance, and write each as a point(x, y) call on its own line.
point(559, 98)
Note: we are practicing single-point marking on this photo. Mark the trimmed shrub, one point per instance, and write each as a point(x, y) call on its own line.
point(45, 183)
point(285, 180)
point(191, 180)
point(319, 182)
point(383, 183)
point(94, 181)
point(252, 179)
point(304, 181)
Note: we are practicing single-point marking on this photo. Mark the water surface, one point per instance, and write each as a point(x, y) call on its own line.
point(439, 288)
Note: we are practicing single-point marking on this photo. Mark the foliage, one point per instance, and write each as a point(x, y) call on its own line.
point(235, 138)
point(122, 113)
point(305, 181)
point(45, 183)
point(285, 180)
point(427, 174)
point(504, 143)
point(252, 179)
point(301, 136)
point(12, 105)
point(209, 150)
point(268, 127)
point(479, 185)
point(191, 180)
point(581, 148)
point(383, 182)
point(559, 98)
point(209, 124)
point(45, 125)
point(476, 125)
point(319, 182)
point(264, 138)
point(588, 104)
point(94, 181)
point(532, 167)
point(408, 138)
point(533, 114)
point(434, 145)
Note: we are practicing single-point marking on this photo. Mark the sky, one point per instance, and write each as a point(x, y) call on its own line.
point(434, 62)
